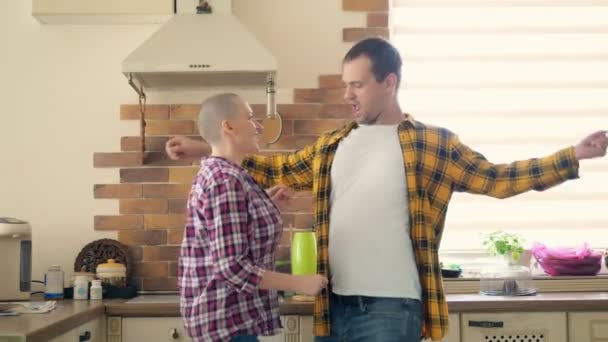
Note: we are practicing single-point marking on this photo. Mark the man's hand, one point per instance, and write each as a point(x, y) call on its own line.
point(185, 148)
point(593, 146)
point(279, 194)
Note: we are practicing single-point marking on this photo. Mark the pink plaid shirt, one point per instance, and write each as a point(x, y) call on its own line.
point(231, 234)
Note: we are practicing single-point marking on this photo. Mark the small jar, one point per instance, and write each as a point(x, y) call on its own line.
point(112, 273)
point(53, 283)
point(90, 276)
point(96, 290)
point(81, 288)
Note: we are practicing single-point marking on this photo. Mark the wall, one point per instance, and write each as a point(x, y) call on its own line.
point(152, 196)
point(61, 92)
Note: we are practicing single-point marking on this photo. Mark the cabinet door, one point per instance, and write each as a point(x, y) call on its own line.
point(71, 335)
point(154, 329)
point(514, 327)
point(94, 329)
point(96, 7)
point(453, 334)
point(275, 338)
point(101, 11)
point(588, 326)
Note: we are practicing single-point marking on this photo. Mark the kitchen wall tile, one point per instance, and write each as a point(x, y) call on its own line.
point(143, 237)
point(160, 284)
point(354, 34)
point(164, 221)
point(377, 19)
point(177, 206)
point(144, 175)
point(118, 222)
point(365, 5)
point(151, 269)
point(117, 190)
point(166, 190)
point(183, 174)
point(317, 126)
point(184, 111)
point(143, 206)
point(132, 112)
point(169, 127)
point(175, 236)
point(117, 159)
point(134, 143)
point(160, 253)
point(331, 81)
point(318, 95)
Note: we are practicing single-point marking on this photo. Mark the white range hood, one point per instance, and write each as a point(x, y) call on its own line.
point(200, 50)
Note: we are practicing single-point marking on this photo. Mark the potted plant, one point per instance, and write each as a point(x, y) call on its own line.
point(508, 246)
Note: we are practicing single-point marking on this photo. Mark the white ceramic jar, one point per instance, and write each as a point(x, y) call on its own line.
point(112, 273)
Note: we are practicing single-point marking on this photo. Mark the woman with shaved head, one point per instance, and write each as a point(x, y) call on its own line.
point(226, 278)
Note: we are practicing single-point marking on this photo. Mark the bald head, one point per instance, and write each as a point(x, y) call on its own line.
point(214, 110)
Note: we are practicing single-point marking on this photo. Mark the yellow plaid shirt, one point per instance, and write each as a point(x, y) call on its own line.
point(436, 164)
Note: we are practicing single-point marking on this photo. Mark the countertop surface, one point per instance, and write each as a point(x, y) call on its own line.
point(70, 314)
point(559, 301)
point(44, 326)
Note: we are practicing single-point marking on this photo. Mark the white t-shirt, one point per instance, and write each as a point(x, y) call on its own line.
point(370, 251)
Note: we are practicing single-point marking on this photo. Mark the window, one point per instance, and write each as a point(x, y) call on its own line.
point(515, 79)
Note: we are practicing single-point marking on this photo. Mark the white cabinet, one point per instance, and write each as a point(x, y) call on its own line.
point(153, 329)
point(93, 331)
point(160, 329)
point(588, 326)
point(453, 334)
point(296, 329)
point(514, 327)
point(101, 11)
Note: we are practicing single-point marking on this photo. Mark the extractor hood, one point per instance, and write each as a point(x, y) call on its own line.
point(200, 50)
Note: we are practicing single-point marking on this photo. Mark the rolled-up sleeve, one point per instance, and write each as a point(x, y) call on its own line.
point(225, 211)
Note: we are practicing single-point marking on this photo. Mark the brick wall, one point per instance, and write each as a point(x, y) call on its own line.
point(152, 196)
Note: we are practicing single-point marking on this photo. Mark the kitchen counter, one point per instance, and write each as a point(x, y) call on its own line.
point(559, 301)
point(70, 314)
point(556, 301)
point(42, 327)
point(168, 306)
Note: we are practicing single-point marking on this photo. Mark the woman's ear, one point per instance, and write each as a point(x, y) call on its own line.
point(226, 127)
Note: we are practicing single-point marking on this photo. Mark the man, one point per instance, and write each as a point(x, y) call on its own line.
point(388, 180)
point(226, 263)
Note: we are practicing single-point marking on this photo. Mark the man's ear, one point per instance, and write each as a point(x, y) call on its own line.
point(391, 82)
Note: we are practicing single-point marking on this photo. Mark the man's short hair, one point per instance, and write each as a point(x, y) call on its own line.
point(383, 55)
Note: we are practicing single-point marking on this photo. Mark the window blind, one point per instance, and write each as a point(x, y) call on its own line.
point(515, 79)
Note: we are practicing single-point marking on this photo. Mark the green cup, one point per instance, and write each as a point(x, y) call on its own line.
point(304, 253)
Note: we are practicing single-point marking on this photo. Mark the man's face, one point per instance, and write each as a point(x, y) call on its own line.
point(367, 96)
point(245, 133)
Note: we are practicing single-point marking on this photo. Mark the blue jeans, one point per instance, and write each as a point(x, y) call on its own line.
point(245, 338)
point(370, 319)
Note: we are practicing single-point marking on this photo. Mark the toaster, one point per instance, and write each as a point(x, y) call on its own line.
point(16, 259)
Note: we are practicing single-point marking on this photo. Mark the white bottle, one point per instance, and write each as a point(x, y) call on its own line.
point(53, 283)
point(96, 290)
point(81, 287)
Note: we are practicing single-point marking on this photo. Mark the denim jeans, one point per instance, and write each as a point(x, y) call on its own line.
point(370, 319)
point(245, 338)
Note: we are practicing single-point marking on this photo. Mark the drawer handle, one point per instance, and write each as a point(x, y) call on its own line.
point(86, 336)
point(486, 324)
point(174, 334)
